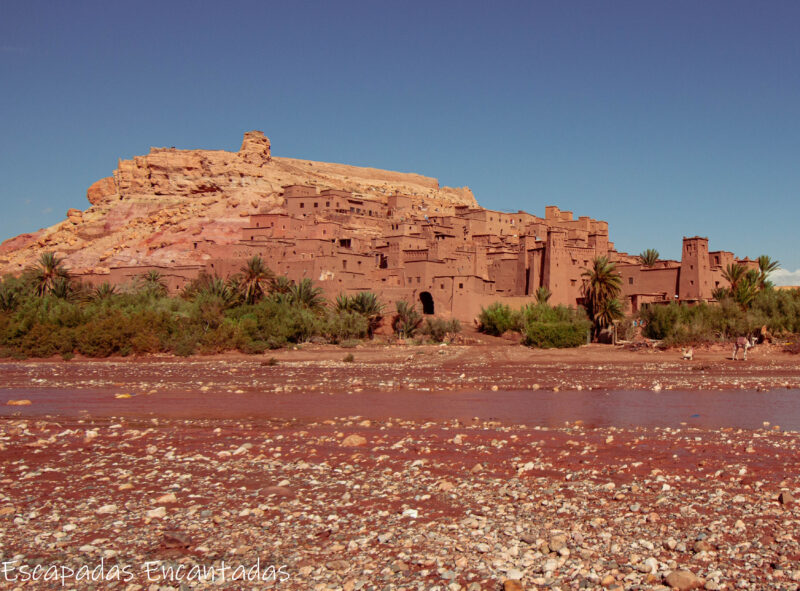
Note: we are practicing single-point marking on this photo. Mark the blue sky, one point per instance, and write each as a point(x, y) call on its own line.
point(667, 119)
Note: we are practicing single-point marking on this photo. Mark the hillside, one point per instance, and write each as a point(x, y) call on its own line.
point(154, 206)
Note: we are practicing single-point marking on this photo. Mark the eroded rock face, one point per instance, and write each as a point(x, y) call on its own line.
point(156, 207)
point(101, 190)
point(255, 148)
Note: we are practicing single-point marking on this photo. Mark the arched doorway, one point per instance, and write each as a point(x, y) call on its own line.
point(427, 302)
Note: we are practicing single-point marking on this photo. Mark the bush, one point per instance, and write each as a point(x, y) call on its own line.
point(346, 325)
point(438, 330)
point(556, 335)
point(497, 319)
point(680, 324)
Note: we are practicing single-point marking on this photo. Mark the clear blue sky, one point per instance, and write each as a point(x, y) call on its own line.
point(664, 118)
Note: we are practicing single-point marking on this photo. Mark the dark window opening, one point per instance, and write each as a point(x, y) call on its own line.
point(630, 280)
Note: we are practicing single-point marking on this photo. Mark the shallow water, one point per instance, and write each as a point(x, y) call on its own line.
point(738, 409)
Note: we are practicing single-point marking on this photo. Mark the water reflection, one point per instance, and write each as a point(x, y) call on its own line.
point(745, 409)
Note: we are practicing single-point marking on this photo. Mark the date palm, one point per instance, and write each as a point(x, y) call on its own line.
point(281, 284)
point(747, 288)
point(48, 274)
point(733, 274)
point(601, 286)
point(407, 320)
point(151, 282)
point(542, 295)
point(766, 266)
point(104, 291)
point(306, 295)
point(369, 306)
point(649, 257)
point(254, 280)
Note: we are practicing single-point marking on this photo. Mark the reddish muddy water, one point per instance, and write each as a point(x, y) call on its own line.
point(710, 409)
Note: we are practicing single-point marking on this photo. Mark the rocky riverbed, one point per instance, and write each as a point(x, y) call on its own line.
point(350, 503)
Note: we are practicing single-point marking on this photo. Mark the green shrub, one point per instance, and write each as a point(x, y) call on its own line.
point(556, 335)
point(496, 319)
point(346, 325)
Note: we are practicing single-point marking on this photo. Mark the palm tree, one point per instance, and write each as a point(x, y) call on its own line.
point(542, 295)
point(733, 274)
point(608, 311)
point(214, 286)
point(281, 284)
point(306, 295)
point(649, 257)
point(747, 288)
point(102, 292)
point(369, 306)
point(48, 274)
point(766, 266)
point(407, 320)
point(720, 293)
point(601, 286)
point(344, 303)
point(151, 282)
point(254, 279)
point(9, 297)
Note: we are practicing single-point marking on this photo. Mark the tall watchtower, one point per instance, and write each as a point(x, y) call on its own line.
point(695, 280)
point(556, 266)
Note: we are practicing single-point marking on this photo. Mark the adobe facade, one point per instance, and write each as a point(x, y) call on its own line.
point(449, 259)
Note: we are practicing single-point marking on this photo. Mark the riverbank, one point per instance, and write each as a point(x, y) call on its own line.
point(392, 504)
point(498, 364)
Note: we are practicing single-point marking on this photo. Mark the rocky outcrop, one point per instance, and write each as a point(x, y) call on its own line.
point(101, 190)
point(156, 206)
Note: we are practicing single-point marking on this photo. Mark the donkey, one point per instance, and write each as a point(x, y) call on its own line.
point(744, 344)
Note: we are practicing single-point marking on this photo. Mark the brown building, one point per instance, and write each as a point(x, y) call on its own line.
point(450, 260)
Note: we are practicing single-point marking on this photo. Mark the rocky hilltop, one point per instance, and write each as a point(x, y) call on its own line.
point(154, 206)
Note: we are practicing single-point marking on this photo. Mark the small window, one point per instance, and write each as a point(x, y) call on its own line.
point(630, 280)
point(460, 286)
point(316, 204)
point(441, 286)
point(327, 204)
point(302, 205)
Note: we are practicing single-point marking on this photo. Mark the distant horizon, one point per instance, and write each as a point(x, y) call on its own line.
point(663, 120)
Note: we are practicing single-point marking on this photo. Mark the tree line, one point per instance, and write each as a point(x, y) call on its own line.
point(46, 312)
